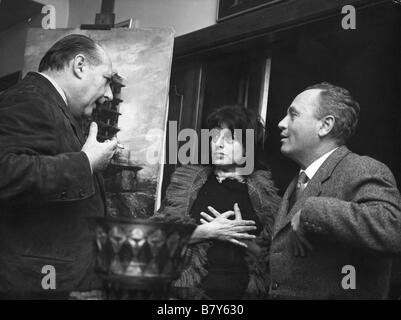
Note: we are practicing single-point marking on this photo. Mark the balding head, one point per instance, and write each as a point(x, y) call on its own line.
point(67, 48)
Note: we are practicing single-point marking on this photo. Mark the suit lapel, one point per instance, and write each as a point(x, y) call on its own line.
point(77, 128)
point(281, 219)
point(313, 189)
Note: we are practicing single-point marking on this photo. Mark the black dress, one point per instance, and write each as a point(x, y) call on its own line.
point(227, 276)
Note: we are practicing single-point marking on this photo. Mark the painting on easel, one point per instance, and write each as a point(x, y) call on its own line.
point(137, 114)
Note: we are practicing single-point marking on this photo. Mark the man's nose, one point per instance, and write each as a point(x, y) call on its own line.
point(282, 124)
point(108, 94)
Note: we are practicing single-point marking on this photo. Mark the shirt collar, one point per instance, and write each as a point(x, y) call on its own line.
point(55, 85)
point(312, 169)
point(222, 175)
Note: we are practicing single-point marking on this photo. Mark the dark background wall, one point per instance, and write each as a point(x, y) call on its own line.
point(366, 61)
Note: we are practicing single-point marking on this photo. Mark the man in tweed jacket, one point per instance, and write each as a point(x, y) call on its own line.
point(336, 233)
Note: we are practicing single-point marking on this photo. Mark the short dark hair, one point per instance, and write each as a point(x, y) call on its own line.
point(239, 117)
point(339, 103)
point(64, 50)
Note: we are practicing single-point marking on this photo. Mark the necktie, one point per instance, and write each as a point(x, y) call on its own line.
point(299, 188)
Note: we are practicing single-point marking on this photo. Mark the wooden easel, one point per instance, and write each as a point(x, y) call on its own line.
point(105, 19)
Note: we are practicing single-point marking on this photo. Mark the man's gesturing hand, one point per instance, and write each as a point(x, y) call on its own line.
point(99, 154)
point(300, 244)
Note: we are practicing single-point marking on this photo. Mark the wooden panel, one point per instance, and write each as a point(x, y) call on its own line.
point(281, 15)
point(15, 11)
point(185, 105)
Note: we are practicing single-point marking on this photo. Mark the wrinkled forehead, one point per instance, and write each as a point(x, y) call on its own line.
point(307, 100)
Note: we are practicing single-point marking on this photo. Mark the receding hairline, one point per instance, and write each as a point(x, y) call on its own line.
point(315, 98)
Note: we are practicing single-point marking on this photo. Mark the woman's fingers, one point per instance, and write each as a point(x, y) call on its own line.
point(244, 236)
point(203, 221)
point(227, 214)
point(214, 211)
point(237, 212)
point(239, 243)
point(243, 228)
point(244, 223)
point(206, 216)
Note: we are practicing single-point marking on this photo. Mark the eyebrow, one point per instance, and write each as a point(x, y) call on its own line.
point(292, 109)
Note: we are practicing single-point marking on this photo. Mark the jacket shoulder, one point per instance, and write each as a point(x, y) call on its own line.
point(180, 189)
point(261, 181)
point(27, 94)
point(357, 165)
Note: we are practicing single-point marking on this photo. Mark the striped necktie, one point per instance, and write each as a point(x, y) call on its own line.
point(299, 188)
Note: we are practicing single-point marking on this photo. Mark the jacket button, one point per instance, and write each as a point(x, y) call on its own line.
point(63, 195)
point(81, 193)
point(275, 286)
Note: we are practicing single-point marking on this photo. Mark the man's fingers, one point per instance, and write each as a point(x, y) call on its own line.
point(294, 244)
point(306, 243)
point(206, 216)
point(113, 144)
point(298, 246)
point(203, 221)
point(92, 131)
point(301, 249)
point(237, 212)
point(214, 211)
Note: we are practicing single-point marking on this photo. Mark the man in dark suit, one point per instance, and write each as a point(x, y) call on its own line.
point(339, 223)
point(49, 175)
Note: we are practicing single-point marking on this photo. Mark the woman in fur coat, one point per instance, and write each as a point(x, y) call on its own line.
point(234, 208)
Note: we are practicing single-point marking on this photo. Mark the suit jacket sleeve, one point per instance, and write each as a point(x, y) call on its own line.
point(369, 215)
point(32, 171)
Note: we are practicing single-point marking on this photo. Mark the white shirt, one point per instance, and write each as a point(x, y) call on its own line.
point(55, 85)
point(315, 165)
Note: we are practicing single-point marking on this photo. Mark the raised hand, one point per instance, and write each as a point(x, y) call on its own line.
point(300, 245)
point(99, 154)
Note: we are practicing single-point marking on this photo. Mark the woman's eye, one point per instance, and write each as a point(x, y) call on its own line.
point(228, 138)
point(215, 137)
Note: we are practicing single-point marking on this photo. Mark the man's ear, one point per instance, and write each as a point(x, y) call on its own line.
point(327, 124)
point(79, 65)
